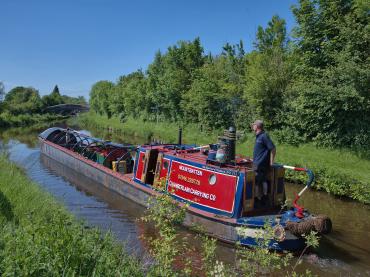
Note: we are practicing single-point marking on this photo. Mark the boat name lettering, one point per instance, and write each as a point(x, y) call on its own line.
point(192, 191)
point(191, 170)
point(188, 179)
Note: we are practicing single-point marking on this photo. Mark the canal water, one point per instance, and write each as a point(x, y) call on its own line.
point(345, 252)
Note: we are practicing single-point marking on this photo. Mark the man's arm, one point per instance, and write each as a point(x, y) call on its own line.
point(272, 156)
point(270, 146)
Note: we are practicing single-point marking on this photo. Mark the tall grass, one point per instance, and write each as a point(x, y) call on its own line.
point(38, 237)
point(339, 172)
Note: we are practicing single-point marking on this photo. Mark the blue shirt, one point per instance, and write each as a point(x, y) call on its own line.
point(262, 150)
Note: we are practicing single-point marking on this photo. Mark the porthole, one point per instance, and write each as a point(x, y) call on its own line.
point(212, 179)
point(165, 165)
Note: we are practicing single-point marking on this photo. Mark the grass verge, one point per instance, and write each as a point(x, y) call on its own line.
point(339, 172)
point(38, 237)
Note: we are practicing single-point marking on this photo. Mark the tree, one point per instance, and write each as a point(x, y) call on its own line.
point(170, 76)
point(55, 90)
point(268, 73)
point(54, 98)
point(99, 97)
point(80, 100)
point(215, 94)
point(22, 100)
point(134, 94)
point(273, 36)
point(204, 102)
point(2, 95)
point(329, 100)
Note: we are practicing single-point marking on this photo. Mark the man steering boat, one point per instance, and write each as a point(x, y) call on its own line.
point(263, 158)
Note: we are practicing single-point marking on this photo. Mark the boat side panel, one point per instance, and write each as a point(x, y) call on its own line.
point(190, 181)
point(213, 190)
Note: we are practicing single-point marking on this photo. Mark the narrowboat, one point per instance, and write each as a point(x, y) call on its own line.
point(217, 185)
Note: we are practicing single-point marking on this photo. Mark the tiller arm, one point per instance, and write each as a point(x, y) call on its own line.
point(311, 177)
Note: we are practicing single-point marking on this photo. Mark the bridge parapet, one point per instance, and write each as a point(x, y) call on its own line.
point(67, 109)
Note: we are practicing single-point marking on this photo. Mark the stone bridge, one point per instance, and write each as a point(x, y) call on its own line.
point(67, 109)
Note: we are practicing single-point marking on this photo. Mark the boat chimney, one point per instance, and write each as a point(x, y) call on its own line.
point(228, 142)
point(180, 136)
point(231, 144)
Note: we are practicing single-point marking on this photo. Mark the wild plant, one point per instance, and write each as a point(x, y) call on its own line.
point(260, 259)
point(311, 240)
point(211, 266)
point(166, 216)
point(168, 248)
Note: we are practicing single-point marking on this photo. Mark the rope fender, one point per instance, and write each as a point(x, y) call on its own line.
point(320, 223)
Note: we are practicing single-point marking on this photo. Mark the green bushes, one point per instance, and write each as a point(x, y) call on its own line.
point(338, 184)
point(38, 237)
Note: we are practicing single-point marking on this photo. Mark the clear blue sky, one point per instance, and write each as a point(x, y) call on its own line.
point(74, 43)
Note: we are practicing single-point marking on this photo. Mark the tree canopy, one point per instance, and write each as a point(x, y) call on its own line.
point(22, 100)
